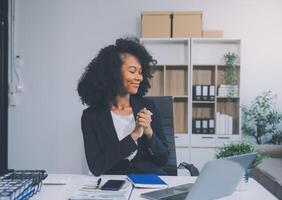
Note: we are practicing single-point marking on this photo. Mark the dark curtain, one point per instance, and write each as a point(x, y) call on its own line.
point(3, 84)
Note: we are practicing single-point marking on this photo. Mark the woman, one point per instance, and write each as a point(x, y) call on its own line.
point(122, 131)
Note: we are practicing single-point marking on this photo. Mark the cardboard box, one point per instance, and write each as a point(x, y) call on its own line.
point(156, 24)
point(187, 24)
point(213, 33)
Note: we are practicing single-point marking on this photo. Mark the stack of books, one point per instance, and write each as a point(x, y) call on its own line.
point(228, 91)
point(224, 124)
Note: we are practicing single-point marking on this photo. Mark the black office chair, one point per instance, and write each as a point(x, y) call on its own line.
point(165, 106)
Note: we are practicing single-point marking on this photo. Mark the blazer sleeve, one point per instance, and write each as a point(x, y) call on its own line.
point(102, 159)
point(157, 146)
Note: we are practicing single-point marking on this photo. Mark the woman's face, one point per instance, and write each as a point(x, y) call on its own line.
point(131, 73)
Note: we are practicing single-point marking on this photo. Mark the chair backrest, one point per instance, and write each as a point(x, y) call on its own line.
point(165, 106)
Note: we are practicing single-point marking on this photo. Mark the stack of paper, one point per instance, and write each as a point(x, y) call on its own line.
point(90, 192)
point(224, 124)
point(228, 91)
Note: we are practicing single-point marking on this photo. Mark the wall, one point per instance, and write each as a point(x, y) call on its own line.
point(57, 38)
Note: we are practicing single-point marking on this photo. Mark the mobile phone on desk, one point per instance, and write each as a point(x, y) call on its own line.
point(113, 185)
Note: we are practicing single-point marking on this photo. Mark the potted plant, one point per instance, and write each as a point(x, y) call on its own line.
point(260, 119)
point(233, 149)
point(231, 77)
point(231, 74)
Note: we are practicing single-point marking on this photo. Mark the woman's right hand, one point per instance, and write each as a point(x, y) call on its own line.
point(138, 131)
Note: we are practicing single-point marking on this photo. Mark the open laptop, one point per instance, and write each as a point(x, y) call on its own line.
point(218, 178)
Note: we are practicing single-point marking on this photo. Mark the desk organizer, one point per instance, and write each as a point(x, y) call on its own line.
point(21, 184)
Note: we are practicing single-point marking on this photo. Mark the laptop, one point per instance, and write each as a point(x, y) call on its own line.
point(218, 178)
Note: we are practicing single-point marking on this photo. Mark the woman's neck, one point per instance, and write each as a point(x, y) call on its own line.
point(123, 106)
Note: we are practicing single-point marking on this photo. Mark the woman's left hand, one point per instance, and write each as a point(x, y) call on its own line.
point(144, 116)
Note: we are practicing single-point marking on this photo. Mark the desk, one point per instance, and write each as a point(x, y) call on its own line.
point(60, 192)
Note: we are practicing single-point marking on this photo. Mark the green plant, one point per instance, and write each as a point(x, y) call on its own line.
point(234, 149)
point(276, 138)
point(231, 75)
point(260, 118)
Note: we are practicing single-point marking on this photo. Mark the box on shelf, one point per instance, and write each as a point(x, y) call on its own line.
point(156, 24)
point(187, 24)
point(212, 33)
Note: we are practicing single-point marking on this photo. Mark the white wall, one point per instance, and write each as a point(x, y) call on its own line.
point(57, 38)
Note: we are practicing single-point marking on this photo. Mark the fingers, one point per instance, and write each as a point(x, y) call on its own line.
point(146, 111)
point(144, 122)
point(144, 116)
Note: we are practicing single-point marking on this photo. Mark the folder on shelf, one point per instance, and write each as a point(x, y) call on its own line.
point(211, 92)
point(197, 92)
point(204, 126)
point(211, 126)
point(205, 92)
point(197, 126)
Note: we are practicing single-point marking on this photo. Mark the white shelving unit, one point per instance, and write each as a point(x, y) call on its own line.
point(182, 63)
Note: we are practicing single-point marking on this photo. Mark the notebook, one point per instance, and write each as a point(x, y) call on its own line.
point(146, 181)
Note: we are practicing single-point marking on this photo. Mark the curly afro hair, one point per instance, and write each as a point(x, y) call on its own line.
point(101, 81)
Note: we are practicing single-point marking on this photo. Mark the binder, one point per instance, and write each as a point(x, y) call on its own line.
point(197, 126)
point(197, 92)
point(211, 126)
point(211, 92)
point(205, 92)
point(204, 126)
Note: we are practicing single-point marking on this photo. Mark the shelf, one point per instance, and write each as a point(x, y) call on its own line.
point(164, 39)
point(227, 97)
point(180, 113)
point(205, 110)
point(204, 102)
point(176, 81)
point(157, 80)
point(185, 62)
point(180, 97)
point(216, 40)
point(203, 75)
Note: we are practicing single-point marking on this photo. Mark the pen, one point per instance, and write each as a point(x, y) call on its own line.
point(98, 182)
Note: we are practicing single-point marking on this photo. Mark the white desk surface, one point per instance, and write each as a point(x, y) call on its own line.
point(60, 192)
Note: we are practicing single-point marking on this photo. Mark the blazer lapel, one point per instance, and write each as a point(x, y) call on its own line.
point(107, 123)
point(136, 105)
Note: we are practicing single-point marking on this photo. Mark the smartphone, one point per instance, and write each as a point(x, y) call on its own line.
point(113, 185)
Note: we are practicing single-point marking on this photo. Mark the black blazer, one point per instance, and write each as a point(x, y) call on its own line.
point(105, 154)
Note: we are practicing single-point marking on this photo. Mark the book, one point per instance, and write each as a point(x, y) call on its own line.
point(146, 181)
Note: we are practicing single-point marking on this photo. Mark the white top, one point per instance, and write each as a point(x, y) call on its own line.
point(124, 125)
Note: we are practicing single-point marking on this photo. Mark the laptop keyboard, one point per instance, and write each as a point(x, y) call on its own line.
point(173, 193)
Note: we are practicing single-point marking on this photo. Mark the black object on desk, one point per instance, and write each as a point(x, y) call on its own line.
point(113, 185)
